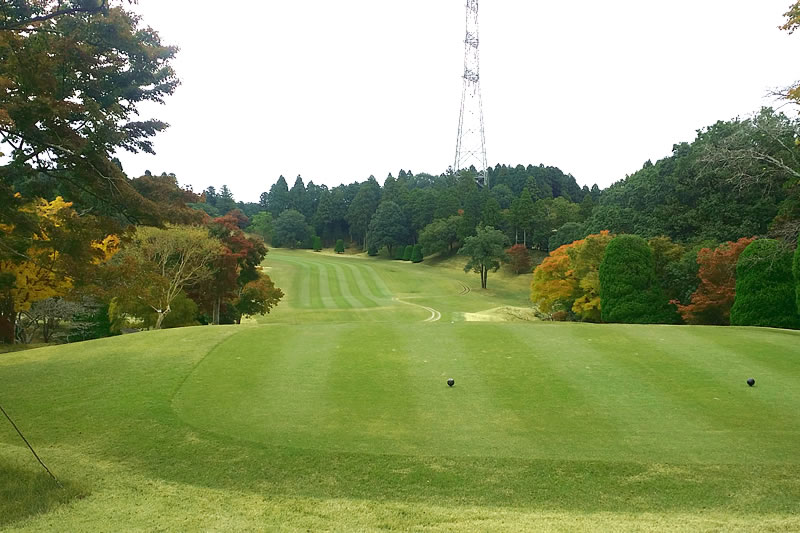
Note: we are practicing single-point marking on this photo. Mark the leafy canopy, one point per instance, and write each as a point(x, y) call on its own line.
point(486, 250)
point(71, 78)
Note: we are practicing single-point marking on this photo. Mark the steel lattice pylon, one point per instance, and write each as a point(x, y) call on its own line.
point(471, 143)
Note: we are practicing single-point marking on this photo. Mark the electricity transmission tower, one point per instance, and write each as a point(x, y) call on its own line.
point(471, 144)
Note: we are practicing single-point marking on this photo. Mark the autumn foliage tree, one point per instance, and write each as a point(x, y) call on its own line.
point(159, 264)
point(568, 280)
point(72, 75)
point(712, 301)
point(257, 297)
point(236, 265)
point(585, 259)
point(519, 259)
point(554, 284)
point(58, 251)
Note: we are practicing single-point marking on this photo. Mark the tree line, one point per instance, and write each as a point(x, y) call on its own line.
point(627, 279)
point(81, 243)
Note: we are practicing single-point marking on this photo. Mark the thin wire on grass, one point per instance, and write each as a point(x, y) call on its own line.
point(31, 448)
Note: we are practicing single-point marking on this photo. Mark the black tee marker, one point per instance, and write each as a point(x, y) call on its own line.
point(451, 382)
point(751, 382)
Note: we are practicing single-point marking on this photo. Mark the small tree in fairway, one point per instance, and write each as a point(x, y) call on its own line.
point(486, 250)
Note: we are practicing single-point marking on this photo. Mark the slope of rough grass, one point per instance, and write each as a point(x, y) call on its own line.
point(339, 418)
point(25, 491)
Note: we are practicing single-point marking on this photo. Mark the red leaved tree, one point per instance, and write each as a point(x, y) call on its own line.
point(519, 259)
point(712, 301)
point(236, 266)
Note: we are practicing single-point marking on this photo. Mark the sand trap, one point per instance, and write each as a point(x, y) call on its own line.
point(504, 313)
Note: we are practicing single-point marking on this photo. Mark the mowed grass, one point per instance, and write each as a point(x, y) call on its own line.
point(332, 413)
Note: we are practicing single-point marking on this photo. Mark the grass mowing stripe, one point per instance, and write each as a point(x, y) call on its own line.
point(314, 290)
point(319, 277)
point(358, 286)
point(531, 397)
point(346, 287)
point(370, 405)
point(656, 420)
point(369, 282)
point(268, 392)
point(655, 400)
point(375, 282)
point(333, 284)
point(301, 296)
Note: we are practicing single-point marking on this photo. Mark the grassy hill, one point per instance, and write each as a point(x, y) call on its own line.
point(333, 413)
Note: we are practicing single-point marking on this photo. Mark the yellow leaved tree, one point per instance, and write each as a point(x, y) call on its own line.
point(41, 272)
point(568, 280)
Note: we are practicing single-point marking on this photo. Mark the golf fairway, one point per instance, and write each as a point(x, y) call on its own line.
point(333, 413)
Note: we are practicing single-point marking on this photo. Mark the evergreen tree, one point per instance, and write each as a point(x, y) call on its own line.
point(407, 252)
point(491, 215)
point(522, 213)
point(291, 230)
point(363, 207)
point(278, 200)
point(225, 201)
point(416, 254)
point(629, 292)
point(297, 196)
point(765, 287)
point(339, 249)
point(388, 227)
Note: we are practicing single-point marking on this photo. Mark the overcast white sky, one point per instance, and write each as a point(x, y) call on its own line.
point(336, 91)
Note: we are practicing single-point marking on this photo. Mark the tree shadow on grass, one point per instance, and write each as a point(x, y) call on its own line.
point(25, 493)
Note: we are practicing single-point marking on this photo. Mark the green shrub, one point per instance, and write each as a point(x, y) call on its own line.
point(629, 292)
point(317, 243)
point(397, 252)
point(765, 287)
point(407, 253)
point(416, 254)
point(372, 251)
point(339, 249)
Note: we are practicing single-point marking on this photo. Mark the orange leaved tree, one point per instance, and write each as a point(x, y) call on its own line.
point(568, 279)
point(712, 301)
